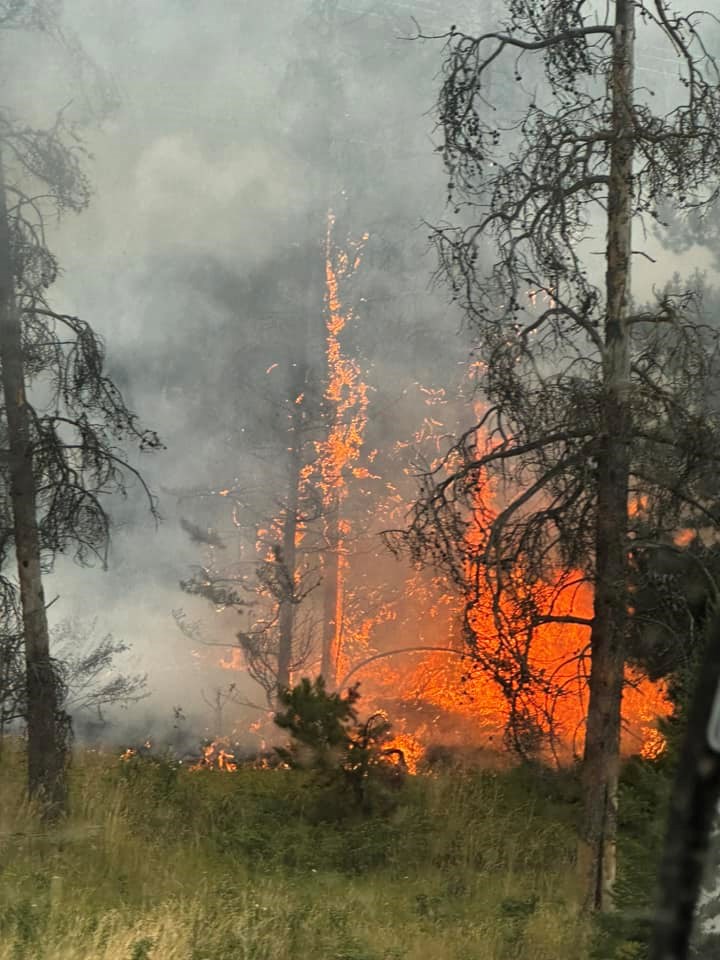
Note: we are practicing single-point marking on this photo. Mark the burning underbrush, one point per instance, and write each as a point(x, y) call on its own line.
point(221, 754)
point(418, 738)
point(413, 756)
point(442, 720)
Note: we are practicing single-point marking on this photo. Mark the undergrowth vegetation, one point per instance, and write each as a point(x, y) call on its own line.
point(157, 862)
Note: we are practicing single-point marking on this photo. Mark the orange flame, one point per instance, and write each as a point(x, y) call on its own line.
point(557, 656)
point(346, 392)
point(412, 747)
point(445, 680)
point(338, 453)
point(216, 757)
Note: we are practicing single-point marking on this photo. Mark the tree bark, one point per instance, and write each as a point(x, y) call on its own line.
point(289, 549)
point(601, 763)
point(332, 597)
point(45, 734)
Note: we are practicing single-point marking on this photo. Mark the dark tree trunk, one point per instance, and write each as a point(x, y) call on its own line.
point(332, 597)
point(289, 553)
point(45, 727)
point(596, 854)
point(693, 810)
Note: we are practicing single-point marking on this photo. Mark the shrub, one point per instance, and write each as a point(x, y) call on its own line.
point(349, 758)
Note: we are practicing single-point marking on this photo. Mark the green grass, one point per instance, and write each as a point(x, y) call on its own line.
point(156, 863)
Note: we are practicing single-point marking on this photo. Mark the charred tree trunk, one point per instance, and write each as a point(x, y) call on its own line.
point(332, 597)
point(45, 726)
point(596, 853)
point(289, 552)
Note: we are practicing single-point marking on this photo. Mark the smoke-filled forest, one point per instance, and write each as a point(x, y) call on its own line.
point(359, 502)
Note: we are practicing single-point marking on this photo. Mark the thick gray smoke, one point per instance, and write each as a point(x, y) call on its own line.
point(213, 143)
point(220, 125)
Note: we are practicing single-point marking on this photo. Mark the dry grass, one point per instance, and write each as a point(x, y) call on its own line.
point(152, 865)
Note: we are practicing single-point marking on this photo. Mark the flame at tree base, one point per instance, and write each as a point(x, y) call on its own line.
point(446, 699)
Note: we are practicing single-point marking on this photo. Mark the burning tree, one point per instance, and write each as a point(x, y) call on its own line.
point(345, 402)
point(61, 413)
point(600, 429)
point(307, 439)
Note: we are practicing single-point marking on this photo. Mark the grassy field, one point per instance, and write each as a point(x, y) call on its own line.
point(159, 863)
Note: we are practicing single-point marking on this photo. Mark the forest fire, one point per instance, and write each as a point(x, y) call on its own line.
point(449, 684)
point(464, 666)
point(476, 683)
point(405, 668)
point(471, 710)
point(482, 643)
point(441, 697)
point(411, 747)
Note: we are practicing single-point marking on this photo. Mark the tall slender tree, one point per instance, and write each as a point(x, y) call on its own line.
point(46, 749)
point(61, 414)
point(601, 764)
point(590, 401)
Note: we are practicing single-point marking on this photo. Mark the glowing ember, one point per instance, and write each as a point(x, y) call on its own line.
point(683, 538)
point(653, 745)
